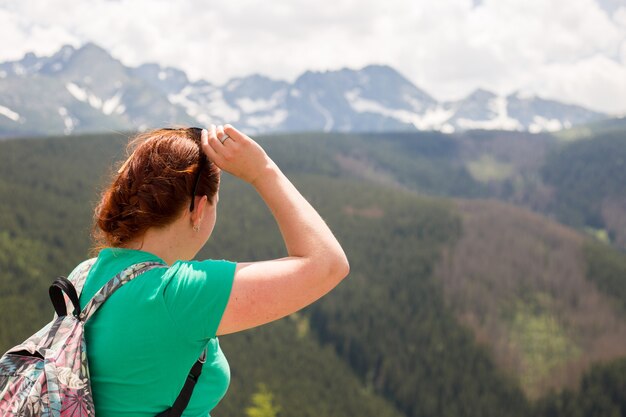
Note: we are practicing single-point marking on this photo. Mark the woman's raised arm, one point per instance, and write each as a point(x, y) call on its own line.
point(269, 290)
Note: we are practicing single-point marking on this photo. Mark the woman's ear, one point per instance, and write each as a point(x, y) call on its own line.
point(199, 209)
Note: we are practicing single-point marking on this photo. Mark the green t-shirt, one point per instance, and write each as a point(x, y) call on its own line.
point(144, 339)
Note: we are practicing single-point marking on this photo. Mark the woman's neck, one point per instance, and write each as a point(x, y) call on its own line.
point(168, 243)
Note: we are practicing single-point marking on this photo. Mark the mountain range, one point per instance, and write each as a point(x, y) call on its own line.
point(86, 89)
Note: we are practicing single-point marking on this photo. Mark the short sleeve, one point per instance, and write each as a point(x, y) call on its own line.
point(196, 294)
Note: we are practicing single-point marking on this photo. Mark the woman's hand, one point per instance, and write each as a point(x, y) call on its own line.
point(236, 153)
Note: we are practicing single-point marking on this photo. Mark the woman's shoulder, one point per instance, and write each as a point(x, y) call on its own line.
point(198, 276)
point(196, 294)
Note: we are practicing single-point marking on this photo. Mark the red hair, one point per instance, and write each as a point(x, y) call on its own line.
point(154, 185)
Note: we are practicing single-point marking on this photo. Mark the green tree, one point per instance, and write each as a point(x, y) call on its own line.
point(263, 404)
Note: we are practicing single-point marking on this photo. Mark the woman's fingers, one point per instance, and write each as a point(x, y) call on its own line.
point(233, 133)
point(210, 144)
point(234, 152)
point(218, 151)
point(220, 133)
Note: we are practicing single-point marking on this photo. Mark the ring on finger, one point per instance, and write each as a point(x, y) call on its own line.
point(224, 138)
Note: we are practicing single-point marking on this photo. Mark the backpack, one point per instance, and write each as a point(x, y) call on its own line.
point(48, 374)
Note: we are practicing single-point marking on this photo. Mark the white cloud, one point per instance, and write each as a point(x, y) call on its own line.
point(20, 35)
point(597, 82)
point(619, 16)
point(570, 48)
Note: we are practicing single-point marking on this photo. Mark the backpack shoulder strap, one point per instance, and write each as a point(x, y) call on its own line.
point(79, 274)
point(76, 280)
point(114, 283)
point(181, 402)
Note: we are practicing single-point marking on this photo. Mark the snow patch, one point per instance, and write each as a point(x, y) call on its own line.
point(540, 124)
point(362, 105)
point(294, 92)
point(108, 107)
point(112, 104)
point(181, 99)
point(57, 66)
point(328, 118)
point(162, 75)
point(205, 119)
point(95, 101)
point(217, 106)
point(269, 121)
point(67, 120)
point(447, 128)
point(415, 103)
point(433, 118)
point(78, 93)
point(205, 104)
point(249, 105)
point(7, 112)
point(18, 69)
point(498, 105)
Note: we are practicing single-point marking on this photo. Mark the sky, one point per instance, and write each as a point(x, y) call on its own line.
point(570, 50)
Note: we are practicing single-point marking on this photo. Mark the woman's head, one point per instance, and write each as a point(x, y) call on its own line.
point(155, 184)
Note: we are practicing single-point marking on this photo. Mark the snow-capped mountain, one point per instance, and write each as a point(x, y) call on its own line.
point(79, 90)
point(86, 89)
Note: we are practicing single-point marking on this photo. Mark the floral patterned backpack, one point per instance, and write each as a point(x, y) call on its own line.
point(48, 374)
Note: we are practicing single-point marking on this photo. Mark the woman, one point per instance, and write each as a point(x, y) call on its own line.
point(162, 206)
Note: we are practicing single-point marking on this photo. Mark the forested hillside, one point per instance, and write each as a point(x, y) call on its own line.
point(581, 183)
point(589, 182)
point(525, 285)
point(418, 329)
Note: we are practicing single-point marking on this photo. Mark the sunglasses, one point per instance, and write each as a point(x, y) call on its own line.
point(197, 132)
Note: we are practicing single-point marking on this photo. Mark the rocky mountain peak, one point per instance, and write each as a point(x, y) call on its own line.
point(86, 88)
